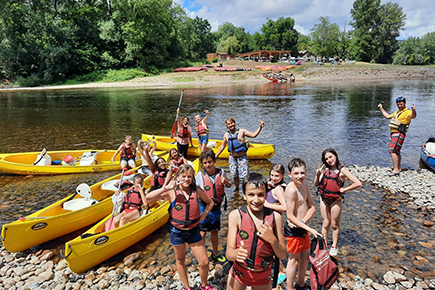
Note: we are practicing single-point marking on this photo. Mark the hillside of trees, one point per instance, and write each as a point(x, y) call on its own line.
point(53, 40)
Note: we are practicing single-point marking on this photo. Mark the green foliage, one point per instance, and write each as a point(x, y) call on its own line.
point(30, 81)
point(215, 60)
point(416, 51)
point(278, 35)
point(230, 45)
point(325, 38)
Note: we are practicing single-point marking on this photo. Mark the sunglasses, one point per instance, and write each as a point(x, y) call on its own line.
point(400, 99)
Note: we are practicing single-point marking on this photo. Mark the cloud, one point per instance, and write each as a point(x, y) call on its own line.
point(252, 14)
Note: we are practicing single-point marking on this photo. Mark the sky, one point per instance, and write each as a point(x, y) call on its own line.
point(252, 14)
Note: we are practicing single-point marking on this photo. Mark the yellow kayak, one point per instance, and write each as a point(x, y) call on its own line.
point(255, 151)
point(96, 246)
point(89, 205)
point(83, 161)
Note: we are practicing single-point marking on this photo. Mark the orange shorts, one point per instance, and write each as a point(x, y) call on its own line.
point(296, 245)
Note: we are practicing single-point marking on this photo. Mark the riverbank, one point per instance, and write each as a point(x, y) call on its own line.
point(44, 269)
point(308, 73)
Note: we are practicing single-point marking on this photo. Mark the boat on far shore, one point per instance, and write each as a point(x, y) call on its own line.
point(275, 77)
point(427, 153)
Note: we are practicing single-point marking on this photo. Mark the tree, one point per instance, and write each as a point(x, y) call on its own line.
point(392, 20)
point(428, 47)
point(226, 30)
point(230, 45)
point(325, 38)
point(278, 35)
point(303, 42)
point(364, 44)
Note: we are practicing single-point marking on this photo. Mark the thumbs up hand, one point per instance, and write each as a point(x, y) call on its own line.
point(242, 253)
point(265, 232)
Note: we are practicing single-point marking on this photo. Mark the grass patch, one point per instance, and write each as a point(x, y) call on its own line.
point(184, 79)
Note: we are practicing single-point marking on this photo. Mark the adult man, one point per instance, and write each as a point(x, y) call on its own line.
point(399, 125)
point(235, 138)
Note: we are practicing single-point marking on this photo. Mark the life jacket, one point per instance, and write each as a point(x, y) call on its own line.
point(185, 213)
point(270, 198)
point(260, 253)
point(178, 163)
point(159, 178)
point(200, 130)
point(330, 184)
point(183, 132)
point(127, 152)
point(215, 191)
point(234, 143)
point(396, 124)
point(132, 199)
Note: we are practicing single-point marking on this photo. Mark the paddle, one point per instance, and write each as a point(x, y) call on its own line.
point(109, 223)
point(43, 153)
point(175, 126)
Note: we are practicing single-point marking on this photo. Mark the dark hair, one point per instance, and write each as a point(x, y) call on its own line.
point(156, 163)
point(296, 162)
point(332, 151)
point(206, 154)
point(255, 179)
point(173, 149)
point(137, 176)
point(277, 167)
point(401, 99)
point(229, 119)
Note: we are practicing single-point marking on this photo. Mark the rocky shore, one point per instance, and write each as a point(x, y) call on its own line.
point(43, 269)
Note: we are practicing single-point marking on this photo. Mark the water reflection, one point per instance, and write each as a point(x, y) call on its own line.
point(378, 229)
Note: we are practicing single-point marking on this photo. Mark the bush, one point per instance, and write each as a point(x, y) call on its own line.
point(31, 81)
point(123, 75)
point(215, 60)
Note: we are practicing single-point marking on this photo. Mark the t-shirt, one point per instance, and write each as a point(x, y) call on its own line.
point(404, 117)
point(199, 180)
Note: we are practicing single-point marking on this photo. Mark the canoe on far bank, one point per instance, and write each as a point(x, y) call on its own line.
point(427, 153)
point(255, 151)
point(82, 161)
point(98, 244)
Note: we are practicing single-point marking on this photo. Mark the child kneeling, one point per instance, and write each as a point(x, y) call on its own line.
point(254, 238)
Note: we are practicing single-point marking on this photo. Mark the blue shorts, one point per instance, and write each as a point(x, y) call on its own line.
point(203, 139)
point(179, 237)
point(238, 166)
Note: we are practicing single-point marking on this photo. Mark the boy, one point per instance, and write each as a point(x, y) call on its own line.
point(254, 238)
point(212, 180)
point(142, 146)
point(300, 209)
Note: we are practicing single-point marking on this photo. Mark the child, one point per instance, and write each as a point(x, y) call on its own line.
point(134, 201)
point(183, 196)
point(300, 209)
point(176, 159)
point(213, 181)
point(330, 184)
point(127, 155)
point(161, 174)
point(254, 238)
point(275, 200)
point(145, 146)
point(202, 131)
point(184, 134)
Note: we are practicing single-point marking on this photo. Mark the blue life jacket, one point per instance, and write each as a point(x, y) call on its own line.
point(234, 144)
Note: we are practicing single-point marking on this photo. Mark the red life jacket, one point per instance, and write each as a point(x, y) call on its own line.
point(330, 184)
point(159, 178)
point(183, 132)
point(127, 152)
point(132, 199)
point(200, 130)
point(178, 163)
point(260, 253)
point(216, 191)
point(184, 212)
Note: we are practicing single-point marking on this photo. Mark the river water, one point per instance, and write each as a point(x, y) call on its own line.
point(377, 231)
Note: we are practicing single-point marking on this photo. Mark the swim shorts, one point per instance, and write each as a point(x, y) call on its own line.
point(250, 278)
point(239, 166)
point(296, 245)
point(179, 237)
point(396, 142)
point(203, 139)
point(130, 162)
point(145, 170)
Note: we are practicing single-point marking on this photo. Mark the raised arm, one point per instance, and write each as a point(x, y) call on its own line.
point(161, 193)
point(319, 171)
point(149, 161)
point(204, 121)
point(178, 118)
point(246, 133)
point(386, 115)
point(414, 111)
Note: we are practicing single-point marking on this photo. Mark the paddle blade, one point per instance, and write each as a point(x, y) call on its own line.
point(22, 218)
point(109, 225)
point(174, 129)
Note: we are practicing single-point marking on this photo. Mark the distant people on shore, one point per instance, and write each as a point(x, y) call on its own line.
point(237, 148)
point(202, 130)
point(330, 178)
point(128, 154)
point(399, 125)
point(184, 134)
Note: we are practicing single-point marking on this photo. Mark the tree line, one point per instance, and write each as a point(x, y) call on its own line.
point(57, 39)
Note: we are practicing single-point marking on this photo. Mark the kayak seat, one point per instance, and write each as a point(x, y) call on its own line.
point(79, 203)
point(430, 147)
point(113, 184)
point(211, 144)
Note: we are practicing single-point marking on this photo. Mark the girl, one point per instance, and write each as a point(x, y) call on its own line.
point(161, 174)
point(176, 159)
point(202, 131)
point(275, 200)
point(134, 201)
point(185, 217)
point(330, 177)
point(128, 153)
point(145, 146)
point(184, 134)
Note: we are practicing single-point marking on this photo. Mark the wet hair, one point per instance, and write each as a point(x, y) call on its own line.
point(229, 119)
point(173, 149)
point(128, 136)
point(277, 167)
point(185, 118)
point(206, 154)
point(255, 179)
point(333, 152)
point(156, 163)
point(296, 162)
point(137, 176)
